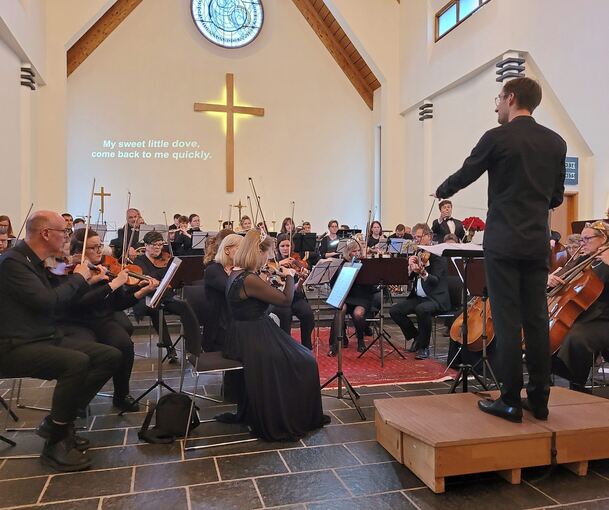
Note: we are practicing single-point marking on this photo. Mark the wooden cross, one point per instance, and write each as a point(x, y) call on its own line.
point(230, 109)
point(102, 195)
point(239, 206)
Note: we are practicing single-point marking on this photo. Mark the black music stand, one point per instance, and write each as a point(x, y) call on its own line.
point(383, 272)
point(468, 256)
point(336, 300)
point(156, 302)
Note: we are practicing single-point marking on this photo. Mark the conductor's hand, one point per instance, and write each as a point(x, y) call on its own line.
point(553, 280)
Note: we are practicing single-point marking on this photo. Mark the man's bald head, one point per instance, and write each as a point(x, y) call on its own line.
point(40, 220)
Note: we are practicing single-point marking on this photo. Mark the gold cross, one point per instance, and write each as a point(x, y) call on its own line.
point(230, 109)
point(102, 195)
point(239, 206)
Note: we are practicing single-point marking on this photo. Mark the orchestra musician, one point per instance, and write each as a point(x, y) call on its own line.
point(329, 241)
point(3, 239)
point(446, 224)
point(182, 239)
point(100, 309)
point(375, 235)
point(154, 262)
point(526, 172)
point(590, 332)
point(245, 223)
point(31, 345)
point(299, 307)
point(400, 232)
point(69, 221)
point(133, 235)
point(282, 400)
point(359, 302)
point(5, 222)
point(287, 226)
point(429, 295)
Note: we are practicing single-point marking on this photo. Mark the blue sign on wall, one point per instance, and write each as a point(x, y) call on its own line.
point(572, 170)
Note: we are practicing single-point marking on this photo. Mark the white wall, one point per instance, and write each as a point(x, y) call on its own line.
point(314, 144)
point(565, 45)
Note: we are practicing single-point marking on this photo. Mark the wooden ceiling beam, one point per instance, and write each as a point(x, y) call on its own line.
point(329, 38)
point(97, 34)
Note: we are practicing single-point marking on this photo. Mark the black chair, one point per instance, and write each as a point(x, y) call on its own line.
point(201, 363)
point(455, 292)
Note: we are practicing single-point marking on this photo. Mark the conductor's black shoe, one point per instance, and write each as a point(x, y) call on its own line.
point(325, 419)
point(540, 413)
point(413, 347)
point(422, 353)
point(498, 408)
point(361, 345)
point(126, 405)
point(48, 430)
point(63, 456)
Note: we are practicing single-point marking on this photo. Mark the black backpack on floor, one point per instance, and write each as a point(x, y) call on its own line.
point(171, 418)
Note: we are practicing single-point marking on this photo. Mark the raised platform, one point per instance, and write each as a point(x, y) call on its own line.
point(446, 435)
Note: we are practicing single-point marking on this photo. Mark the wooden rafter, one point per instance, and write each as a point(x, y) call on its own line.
point(340, 47)
point(96, 35)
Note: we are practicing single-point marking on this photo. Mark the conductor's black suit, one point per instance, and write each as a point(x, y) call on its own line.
point(526, 171)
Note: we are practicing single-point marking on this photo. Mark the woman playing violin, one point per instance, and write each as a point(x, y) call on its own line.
point(100, 309)
point(375, 235)
point(299, 307)
point(590, 331)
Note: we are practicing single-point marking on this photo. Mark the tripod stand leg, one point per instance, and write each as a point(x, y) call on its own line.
point(7, 440)
point(333, 378)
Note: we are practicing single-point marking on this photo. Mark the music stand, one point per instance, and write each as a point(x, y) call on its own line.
point(198, 239)
point(467, 254)
point(383, 272)
point(155, 302)
point(578, 226)
point(395, 245)
point(321, 274)
point(347, 233)
point(144, 228)
point(336, 300)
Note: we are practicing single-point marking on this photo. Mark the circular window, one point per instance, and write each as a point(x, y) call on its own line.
point(228, 23)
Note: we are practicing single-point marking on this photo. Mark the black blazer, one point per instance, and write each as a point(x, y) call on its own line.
point(436, 283)
point(526, 174)
point(441, 229)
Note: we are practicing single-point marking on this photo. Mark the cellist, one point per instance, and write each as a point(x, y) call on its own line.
point(590, 331)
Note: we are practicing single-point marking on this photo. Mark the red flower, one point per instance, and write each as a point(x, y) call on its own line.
point(473, 223)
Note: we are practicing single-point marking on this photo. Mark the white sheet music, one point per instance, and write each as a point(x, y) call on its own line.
point(438, 249)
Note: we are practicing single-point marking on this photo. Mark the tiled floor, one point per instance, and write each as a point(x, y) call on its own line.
point(338, 467)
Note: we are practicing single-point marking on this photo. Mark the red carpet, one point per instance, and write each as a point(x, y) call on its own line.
point(367, 371)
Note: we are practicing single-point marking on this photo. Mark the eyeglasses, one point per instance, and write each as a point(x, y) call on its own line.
point(97, 247)
point(66, 231)
point(157, 245)
point(587, 239)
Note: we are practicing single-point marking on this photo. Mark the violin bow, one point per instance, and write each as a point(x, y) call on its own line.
point(266, 228)
point(125, 229)
point(87, 224)
point(249, 201)
point(293, 225)
point(27, 216)
point(431, 209)
point(365, 247)
point(167, 225)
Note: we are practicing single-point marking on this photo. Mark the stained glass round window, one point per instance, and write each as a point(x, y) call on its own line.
point(228, 23)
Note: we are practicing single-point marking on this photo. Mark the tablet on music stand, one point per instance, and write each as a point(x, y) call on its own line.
point(343, 285)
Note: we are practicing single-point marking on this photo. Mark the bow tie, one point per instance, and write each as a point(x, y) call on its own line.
point(446, 219)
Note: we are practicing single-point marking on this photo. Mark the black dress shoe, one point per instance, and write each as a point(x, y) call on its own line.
point(498, 408)
point(346, 341)
point(368, 331)
point(413, 347)
point(361, 345)
point(422, 353)
point(333, 350)
point(172, 355)
point(126, 405)
point(48, 430)
point(63, 456)
point(540, 413)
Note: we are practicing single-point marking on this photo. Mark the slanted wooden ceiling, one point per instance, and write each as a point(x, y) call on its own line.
point(315, 12)
point(340, 47)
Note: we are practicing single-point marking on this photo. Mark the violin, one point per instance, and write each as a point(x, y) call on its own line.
point(114, 267)
point(162, 261)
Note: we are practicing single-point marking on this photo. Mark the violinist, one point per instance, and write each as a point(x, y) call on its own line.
point(245, 223)
point(329, 241)
point(287, 226)
point(358, 303)
point(3, 239)
point(590, 331)
point(132, 236)
point(100, 309)
point(299, 307)
point(429, 295)
point(574, 241)
point(375, 235)
point(211, 248)
point(32, 345)
point(446, 224)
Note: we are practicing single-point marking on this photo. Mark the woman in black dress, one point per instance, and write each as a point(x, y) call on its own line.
point(329, 241)
point(282, 401)
point(216, 315)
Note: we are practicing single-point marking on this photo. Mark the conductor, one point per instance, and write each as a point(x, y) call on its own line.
point(526, 172)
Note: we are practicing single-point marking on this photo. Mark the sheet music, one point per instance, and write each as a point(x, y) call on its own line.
point(438, 249)
point(164, 285)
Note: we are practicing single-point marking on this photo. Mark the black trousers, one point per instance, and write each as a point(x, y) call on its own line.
point(170, 308)
point(358, 316)
point(424, 309)
point(114, 333)
point(301, 309)
point(80, 365)
point(517, 290)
